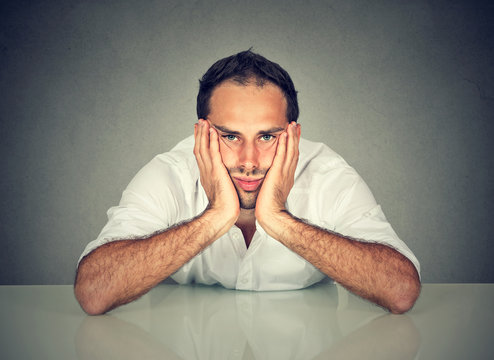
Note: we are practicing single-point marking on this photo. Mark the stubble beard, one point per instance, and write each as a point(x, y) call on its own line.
point(247, 199)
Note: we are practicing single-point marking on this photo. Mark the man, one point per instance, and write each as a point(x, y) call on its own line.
point(226, 206)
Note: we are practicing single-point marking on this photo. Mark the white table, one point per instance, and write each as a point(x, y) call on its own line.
point(449, 321)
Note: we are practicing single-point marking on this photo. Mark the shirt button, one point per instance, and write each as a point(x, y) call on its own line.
point(244, 281)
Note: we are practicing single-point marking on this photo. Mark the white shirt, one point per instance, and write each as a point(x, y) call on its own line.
point(327, 192)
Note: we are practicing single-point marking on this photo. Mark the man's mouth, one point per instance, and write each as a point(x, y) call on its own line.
point(248, 184)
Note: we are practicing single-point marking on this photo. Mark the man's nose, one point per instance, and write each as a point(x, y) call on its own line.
point(249, 157)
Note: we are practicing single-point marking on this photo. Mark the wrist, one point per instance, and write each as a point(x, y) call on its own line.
point(219, 220)
point(275, 223)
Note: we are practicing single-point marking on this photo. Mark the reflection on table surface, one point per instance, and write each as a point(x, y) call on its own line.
point(209, 322)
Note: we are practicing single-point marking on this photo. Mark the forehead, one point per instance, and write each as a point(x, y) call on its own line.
point(232, 104)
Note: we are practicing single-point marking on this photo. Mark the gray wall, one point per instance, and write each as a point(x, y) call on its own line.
point(92, 90)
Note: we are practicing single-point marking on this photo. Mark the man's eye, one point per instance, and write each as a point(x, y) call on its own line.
point(267, 137)
point(230, 137)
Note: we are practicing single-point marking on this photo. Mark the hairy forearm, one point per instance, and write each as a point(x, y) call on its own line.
point(374, 271)
point(121, 271)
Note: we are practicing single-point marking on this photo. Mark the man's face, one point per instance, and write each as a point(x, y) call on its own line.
point(249, 120)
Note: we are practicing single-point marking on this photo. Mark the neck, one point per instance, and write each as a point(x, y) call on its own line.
point(247, 223)
point(247, 217)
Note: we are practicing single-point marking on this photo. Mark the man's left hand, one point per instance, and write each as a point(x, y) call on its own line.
point(270, 205)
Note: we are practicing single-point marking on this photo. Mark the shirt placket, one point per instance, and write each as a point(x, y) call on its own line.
point(245, 279)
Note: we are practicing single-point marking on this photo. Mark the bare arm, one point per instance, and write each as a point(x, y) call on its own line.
point(374, 271)
point(122, 271)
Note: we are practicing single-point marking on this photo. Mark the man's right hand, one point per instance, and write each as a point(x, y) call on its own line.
point(219, 188)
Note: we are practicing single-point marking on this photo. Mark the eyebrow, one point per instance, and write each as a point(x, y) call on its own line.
point(234, 132)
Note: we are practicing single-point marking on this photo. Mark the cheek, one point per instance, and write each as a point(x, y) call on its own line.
point(228, 155)
point(266, 158)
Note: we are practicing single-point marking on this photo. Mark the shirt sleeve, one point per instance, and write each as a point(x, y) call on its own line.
point(149, 203)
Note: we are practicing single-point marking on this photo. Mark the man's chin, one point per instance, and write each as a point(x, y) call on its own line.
point(247, 207)
point(247, 199)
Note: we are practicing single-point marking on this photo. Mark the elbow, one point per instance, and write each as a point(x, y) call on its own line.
point(92, 308)
point(405, 297)
point(89, 303)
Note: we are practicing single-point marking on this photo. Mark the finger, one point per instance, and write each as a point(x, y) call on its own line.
point(292, 149)
point(204, 143)
point(297, 150)
point(197, 141)
point(289, 148)
point(299, 133)
point(279, 157)
point(214, 146)
point(296, 144)
point(291, 161)
point(202, 147)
